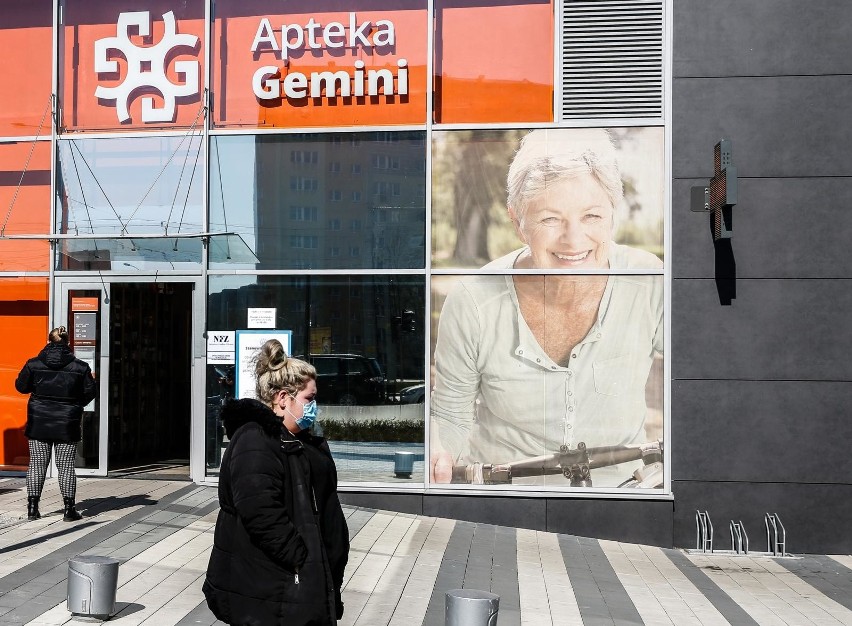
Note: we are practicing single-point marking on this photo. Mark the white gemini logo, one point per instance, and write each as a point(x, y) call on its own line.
point(146, 67)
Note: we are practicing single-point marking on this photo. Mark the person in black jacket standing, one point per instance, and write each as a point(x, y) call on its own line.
point(281, 542)
point(59, 385)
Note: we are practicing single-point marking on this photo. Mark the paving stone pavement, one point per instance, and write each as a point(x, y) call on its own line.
point(400, 569)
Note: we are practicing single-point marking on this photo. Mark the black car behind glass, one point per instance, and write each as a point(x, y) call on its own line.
point(348, 379)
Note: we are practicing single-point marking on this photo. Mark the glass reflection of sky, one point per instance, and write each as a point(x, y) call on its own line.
point(130, 185)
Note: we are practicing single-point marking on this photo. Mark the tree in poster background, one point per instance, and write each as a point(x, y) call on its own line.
point(471, 193)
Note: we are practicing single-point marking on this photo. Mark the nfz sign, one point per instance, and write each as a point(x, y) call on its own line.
point(220, 347)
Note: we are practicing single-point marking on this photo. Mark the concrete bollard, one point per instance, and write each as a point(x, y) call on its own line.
point(92, 585)
point(471, 607)
point(403, 464)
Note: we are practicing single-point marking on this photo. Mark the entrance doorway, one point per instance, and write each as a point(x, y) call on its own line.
point(149, 392)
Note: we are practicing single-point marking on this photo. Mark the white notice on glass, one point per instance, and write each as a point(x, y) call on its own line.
point(261, 318)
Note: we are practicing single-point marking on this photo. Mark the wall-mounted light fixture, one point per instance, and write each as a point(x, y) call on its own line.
point(718, 199)
point(721, 196)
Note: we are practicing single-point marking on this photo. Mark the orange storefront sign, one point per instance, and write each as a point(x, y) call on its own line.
point(282, 65)
point(319, 68)
point(84, 304)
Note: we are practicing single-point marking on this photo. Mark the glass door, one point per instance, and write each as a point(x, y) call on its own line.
point(141, 337)
point(83, 308)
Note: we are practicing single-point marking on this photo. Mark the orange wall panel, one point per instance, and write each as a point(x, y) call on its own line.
point(24, 317)
point(24, 205)
point(494, 64)
point(26, 36)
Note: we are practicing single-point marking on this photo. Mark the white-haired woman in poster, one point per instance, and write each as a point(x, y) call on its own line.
point(528, 362)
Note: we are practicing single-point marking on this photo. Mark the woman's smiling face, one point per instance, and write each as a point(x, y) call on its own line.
point(569, 225)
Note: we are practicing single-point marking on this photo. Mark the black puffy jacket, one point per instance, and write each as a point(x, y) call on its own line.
point(281, 542)
point(59, 385)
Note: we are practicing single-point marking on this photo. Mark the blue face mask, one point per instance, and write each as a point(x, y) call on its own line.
point(309, 415)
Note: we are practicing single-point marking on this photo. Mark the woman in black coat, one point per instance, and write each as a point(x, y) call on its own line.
point(281, 542)
point(59, 385)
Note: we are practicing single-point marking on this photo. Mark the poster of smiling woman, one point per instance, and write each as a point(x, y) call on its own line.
point(548, 307)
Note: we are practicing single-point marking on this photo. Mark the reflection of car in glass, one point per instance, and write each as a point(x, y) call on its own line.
point(413, 394)
point(348, 379)
point(220, 387)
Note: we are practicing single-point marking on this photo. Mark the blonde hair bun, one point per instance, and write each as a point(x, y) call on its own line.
point(274, 370)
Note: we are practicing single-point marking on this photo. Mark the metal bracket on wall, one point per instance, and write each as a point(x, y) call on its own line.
point(718, 199)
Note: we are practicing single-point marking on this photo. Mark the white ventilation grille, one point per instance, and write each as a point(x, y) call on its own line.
point(612, 58)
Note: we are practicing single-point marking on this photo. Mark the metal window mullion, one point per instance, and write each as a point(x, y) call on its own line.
point(54, 147)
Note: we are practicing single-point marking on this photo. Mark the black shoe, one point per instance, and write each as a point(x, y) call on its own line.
point(71, 514)
point(32, 508)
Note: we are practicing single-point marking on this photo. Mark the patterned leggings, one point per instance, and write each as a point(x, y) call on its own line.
point(66, 453)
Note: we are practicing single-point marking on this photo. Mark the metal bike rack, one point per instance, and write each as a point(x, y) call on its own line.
point(776, 535)
point(704, 532)
point(739, 538)
point(776, 538)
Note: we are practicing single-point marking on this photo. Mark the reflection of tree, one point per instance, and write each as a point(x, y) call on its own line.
point(470, 190)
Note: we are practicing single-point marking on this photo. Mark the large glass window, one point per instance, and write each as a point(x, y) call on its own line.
point(364, 335)
point(471, 221)
point(322, 201)
point(528, 366)
point(533, 333)
point(130, 186)
point(548, 359)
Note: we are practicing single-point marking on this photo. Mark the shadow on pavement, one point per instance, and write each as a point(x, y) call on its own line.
point(36, 540)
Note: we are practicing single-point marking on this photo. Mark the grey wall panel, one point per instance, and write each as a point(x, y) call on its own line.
point(774, 330)
point(814, 515)
point(786, 126)
point(783, 228)
point(639, 521)
point(402, 502)
point(761, 37)
point(761, 431)
point(760, 387)
point(647, 522)
point(517, 512)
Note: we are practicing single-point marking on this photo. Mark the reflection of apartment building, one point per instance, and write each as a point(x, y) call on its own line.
point(349, 200)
